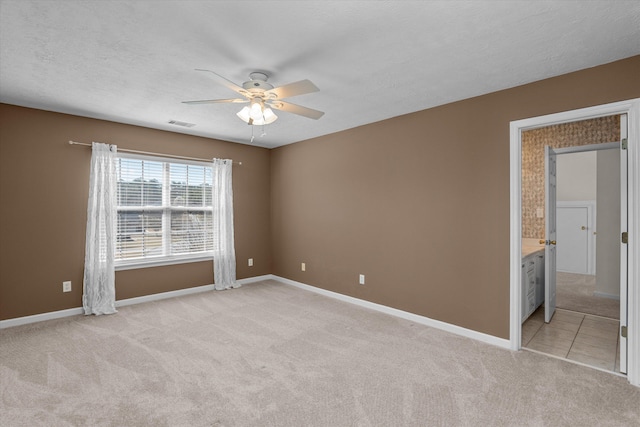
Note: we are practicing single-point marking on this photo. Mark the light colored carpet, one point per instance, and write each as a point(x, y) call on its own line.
point(575, 292)
point(268, 354)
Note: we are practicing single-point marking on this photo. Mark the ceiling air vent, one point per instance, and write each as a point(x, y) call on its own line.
point(179, 123)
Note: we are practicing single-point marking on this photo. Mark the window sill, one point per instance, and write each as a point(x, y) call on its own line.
point(132, 265)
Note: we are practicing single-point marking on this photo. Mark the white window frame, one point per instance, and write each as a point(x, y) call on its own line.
point(166, 209)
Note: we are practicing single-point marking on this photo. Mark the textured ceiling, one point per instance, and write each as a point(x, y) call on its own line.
point(133, 61)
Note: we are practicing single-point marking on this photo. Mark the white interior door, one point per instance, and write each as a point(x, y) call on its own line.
point(572, 236)
point(550, 234)
point(623, 247)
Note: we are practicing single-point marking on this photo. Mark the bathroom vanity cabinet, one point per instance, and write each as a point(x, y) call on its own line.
point(532, 292)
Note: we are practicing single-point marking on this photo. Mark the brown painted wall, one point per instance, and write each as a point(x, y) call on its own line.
point(440, 177)
point(43, 204)
point(420, 203)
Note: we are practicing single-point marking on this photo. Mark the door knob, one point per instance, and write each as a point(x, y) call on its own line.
point(542, 242)
point(583, 228)
point(553, 242)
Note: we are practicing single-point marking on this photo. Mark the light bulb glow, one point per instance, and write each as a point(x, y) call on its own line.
point(257, 115)
point(256, 111)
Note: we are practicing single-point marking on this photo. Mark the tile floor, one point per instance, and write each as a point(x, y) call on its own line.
point(584, 338)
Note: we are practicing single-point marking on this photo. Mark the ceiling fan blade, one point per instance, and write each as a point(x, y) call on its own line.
point(293, 89)
point(296, 109)
point(225, 82)
point(218, 101)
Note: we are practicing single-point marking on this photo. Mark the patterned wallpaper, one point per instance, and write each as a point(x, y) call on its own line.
point(593, 131)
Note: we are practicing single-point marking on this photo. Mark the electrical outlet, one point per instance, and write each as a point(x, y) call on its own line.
point(303, 267)
point(250, 262)
point(66, 286)
point(362, 279)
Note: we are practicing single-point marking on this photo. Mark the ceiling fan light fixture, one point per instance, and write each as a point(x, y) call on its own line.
point(263, 117)
point(244, 114)
point(269, 116)
point(256, 110)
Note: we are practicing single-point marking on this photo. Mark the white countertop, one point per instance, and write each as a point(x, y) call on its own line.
point(529, 250)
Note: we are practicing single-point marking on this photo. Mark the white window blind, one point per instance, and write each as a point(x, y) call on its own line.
point(164, 210)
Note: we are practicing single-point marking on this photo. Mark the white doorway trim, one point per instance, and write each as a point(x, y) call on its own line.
point(632, 109)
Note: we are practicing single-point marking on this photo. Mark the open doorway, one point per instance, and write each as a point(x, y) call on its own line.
point(587, 204)
point(518, 223)
point(588, 223)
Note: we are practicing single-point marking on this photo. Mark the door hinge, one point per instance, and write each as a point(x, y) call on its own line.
point(623, 144)
point(625, 237)
point(623, 331)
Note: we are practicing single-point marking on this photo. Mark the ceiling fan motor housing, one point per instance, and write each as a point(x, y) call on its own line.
point(258, 83)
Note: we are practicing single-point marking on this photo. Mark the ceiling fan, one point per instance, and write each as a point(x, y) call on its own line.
point(261, 95)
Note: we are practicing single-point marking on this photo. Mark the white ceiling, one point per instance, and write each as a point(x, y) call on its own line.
point(133, 61)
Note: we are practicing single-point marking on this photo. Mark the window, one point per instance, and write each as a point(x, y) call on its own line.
point(164, 211)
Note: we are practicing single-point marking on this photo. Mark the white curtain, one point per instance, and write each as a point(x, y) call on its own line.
point(224, 252)
point(99, 274)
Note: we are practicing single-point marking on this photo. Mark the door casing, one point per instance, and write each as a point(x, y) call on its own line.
point(632, 109)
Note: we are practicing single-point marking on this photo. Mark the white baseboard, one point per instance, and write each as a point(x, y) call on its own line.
point(41, 317)
point(458, 330)
point(605, 295)
point(163, 295)
point(255, 279)
point(120, 303)
point(182, 292)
